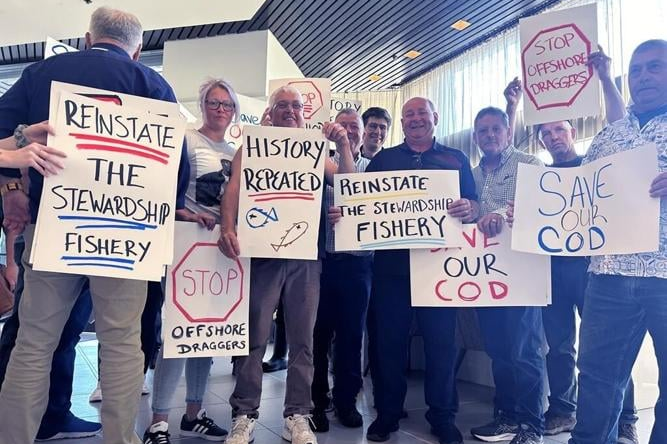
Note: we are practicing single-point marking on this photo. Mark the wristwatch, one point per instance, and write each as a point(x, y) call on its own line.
point(21, 139)
point(10, 186)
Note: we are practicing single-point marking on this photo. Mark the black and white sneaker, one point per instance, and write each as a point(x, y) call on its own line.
point(500, 429)
point(202, 427)
point(158, 433)
point(525, 436)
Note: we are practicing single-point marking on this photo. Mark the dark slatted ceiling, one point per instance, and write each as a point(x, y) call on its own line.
point(348, 40)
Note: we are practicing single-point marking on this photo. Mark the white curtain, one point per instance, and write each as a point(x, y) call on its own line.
point(477, 78)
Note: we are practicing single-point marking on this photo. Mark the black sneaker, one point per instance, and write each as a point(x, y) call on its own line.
point(500, 429)
point(274, 365)
point(555, 424)
point(350, 417)
point(157, 434)
point(202, 427)
point(319, 421)
point(627, 434)
point(379, 430)
point(448, 434)
point(525, 436)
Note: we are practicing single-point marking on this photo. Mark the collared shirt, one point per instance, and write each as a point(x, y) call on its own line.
point(624, 135)
point(402, 157)
point(496, 187)
point(360, 165)
point(104, 66)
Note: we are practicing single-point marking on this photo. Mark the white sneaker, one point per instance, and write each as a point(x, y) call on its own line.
point(144, 389)
point(297, 430)
point(96, 395)
point(242, 432)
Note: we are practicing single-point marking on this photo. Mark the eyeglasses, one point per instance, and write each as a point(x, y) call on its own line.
point(283, 105)
point(434, 160)
point(216, 104)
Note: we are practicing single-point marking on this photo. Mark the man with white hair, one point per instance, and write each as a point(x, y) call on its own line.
point(114, 42)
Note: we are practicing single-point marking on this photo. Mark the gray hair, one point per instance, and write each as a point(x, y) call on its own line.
point(492, 111)
point(117, 25)
point(349, 112)
point(282, 89)
point(212, 83)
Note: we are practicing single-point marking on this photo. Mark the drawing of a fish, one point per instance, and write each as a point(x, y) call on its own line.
point(294, 232)
point(257, 217)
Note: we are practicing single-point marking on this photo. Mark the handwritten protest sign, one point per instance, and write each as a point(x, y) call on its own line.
point(554, 50)
point(337, 105)
point(54, 47)
point(111, 211)
point(251, 114)
point(396, 209)
point(316, 94)
point(206, 303)
point(281, 192)
point(484, 272)
point(602, 207)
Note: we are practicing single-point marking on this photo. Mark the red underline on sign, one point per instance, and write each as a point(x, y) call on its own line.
point(285, 198)
point(118, 142)
point(281, 193)
point(116, 149)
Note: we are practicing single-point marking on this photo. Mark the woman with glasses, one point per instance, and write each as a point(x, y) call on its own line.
point(210, 167)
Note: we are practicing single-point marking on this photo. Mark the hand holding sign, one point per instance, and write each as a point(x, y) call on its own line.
point(513, 92)
point(601, 62)
point(491, 224)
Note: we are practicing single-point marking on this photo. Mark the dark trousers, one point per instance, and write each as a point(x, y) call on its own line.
point(513, 340)
point(569, 277)
point(345, 287)
point(389, 320)
point(62, 367)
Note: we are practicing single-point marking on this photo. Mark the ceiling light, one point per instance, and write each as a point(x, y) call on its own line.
point(460, 25)
point(412, 54)
point(374, 77)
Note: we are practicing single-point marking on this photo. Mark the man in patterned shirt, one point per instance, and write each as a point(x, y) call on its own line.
point(627, 294)
point(512, 335)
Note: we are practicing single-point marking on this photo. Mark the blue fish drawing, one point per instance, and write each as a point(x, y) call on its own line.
point(258, 217)
point(294, 232)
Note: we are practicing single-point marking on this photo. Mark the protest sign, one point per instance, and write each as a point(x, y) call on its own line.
point(484, 272)
point(396, 209)
point(281, 192)
point(54, 47)
point(206, 297)
point(316, 94)
point(554, 50)
point(338, 105)
point(602, 207)
point(251, 114)
point(110, 212)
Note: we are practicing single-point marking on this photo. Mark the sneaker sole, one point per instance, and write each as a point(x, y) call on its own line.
point(70, 435)
point(206, 437)
point(559, 430)
point(287, 436)
point(495, 438)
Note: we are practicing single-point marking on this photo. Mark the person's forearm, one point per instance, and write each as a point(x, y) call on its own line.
point(613, 101)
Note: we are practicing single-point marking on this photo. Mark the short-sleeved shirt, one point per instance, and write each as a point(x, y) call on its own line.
point(402, 157)
point(210, 169)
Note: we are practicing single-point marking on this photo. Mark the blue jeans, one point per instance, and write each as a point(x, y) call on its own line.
point(618, 312)
point(513, 340)
point(62, 367)
point(166, 377)
point(569, 276)
point(389, 322)
point(345, 286)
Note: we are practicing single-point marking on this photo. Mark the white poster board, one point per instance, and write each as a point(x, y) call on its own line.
point(483, 272)
point(251, 114)
point(206, 297)
point(316, 94)
point(337, 105)
point(110, 212)
point(558, 84)
point(396, 209)
point(54, 47)
point(602, 207)
point(281, 192)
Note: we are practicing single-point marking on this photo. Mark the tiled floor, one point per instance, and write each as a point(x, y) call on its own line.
point(475, 407)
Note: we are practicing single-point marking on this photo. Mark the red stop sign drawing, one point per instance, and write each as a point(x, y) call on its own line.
point(312, 97)
point(192, 283)
point(554, 66)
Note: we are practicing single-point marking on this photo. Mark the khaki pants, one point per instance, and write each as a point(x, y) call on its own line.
point(44, 308)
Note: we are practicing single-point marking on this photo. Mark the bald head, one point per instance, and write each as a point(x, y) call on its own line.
point(419, 118)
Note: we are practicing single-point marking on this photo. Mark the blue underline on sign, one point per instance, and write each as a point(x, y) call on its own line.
point(97, 258)
point(125, 223)
point(95, 264)
point(433, 242)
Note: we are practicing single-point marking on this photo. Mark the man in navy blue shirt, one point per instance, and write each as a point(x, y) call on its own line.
point(110, 63)
point(390, 312)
